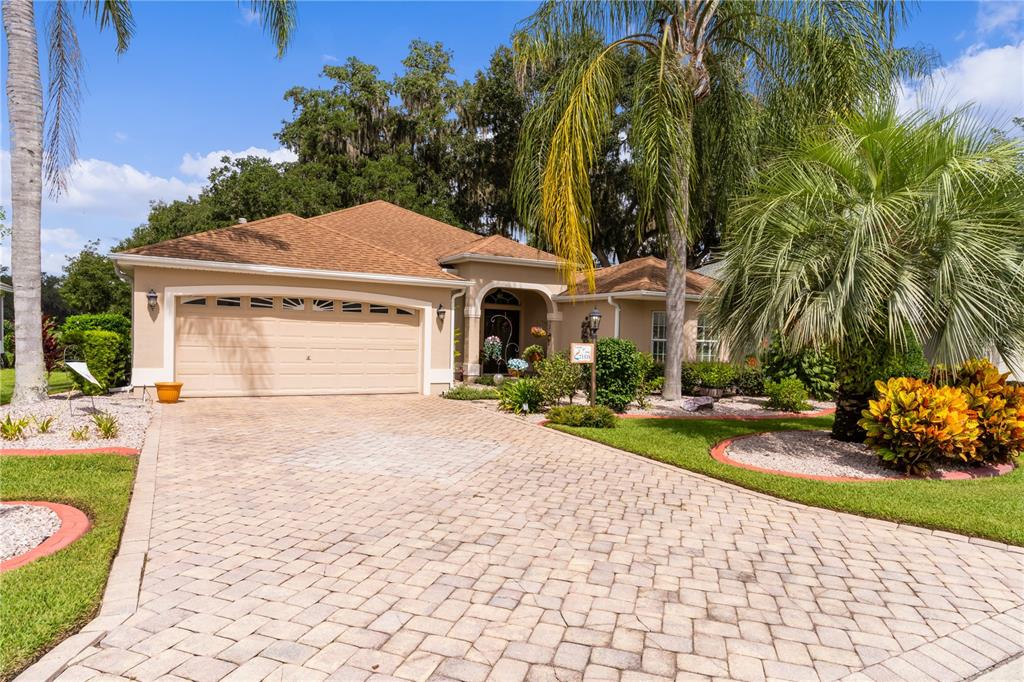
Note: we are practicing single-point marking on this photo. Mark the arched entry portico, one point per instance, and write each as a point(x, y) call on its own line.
point(507, 310)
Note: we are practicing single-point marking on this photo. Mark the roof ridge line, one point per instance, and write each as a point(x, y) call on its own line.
point(191, 235)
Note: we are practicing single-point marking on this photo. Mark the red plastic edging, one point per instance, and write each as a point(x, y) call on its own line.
point(718, 453)
point(73, 525)
point(126, 452)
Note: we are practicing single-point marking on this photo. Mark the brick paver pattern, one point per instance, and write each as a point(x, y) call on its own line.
point(412, 538)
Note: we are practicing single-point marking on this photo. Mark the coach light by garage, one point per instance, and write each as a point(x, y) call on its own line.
point(151, 299)
point(595, 321)
point(440, 312)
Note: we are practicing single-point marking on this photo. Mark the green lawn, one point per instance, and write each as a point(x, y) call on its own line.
point(48, 599)
point(990, 508)
point(59, 381)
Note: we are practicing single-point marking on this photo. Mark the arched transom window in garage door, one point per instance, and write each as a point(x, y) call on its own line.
point(260, 305)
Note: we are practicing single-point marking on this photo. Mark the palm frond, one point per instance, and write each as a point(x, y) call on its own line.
point(277, 18)
point(64, 97)
point(116, 14)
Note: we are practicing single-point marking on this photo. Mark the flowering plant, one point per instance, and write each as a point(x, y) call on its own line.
point(518, 364)
point(538, 332)
point(492, 348)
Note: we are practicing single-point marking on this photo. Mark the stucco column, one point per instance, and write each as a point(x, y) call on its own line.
point(471, 343)
point(555, 332)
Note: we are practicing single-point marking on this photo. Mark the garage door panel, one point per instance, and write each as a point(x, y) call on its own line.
point(227, 352)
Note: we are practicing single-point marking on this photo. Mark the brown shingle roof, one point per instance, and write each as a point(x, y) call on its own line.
point(640, 274)
point(496, 245)
point(377, 237)
point(290, 241)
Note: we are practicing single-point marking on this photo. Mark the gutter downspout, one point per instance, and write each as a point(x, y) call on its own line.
point(618, 313)
point(456, 294)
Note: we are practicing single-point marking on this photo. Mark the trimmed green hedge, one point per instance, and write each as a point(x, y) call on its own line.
point(73, 331)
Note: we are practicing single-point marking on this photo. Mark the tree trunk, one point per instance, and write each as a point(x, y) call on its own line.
point(675, 294)
point(25, 111)
point(855, 370)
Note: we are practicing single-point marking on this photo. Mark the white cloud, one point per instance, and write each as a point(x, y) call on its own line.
point(1000, 16)
point(328, 58)
point(119, 136)
point(64, 237)
point(249, 15)
point(199, 166)
point(57, 245)
point(991, 78)
point(117, 190)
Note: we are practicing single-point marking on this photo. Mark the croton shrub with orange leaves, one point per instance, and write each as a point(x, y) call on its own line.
point(971, 415)
point(999, 407)
point(914, 424)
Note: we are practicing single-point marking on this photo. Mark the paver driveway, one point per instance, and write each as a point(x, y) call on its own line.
point(425, 539)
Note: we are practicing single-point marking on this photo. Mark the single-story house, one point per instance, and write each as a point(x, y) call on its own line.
point(370, 299)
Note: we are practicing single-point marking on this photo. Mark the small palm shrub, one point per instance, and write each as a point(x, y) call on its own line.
point(788, 395)
point(80, 433)
point(44, 424)
point(106, 425)
point(999, 407)
point(520, 397)
point(470, 393)
point(598, 417)
point(14, 429)
point(913, 424)
point(558, 378)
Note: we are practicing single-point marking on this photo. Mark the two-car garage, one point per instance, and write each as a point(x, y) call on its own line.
point(226, 345)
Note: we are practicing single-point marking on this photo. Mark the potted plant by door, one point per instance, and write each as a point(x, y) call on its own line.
point(168, 391)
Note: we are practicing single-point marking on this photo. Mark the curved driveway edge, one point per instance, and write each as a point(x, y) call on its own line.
point(414, 538)
point(120, 597)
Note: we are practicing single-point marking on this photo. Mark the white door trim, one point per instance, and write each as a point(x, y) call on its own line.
point(171, 294)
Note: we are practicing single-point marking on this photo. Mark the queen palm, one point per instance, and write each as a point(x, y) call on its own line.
point(877, 232)
point(30, 160)
point(729, 66)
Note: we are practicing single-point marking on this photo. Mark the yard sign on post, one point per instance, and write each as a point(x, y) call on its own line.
point(583, 354)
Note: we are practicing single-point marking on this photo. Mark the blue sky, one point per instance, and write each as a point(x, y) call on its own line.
point(201, 79)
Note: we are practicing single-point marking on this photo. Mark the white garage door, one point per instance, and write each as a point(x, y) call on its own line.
point(241, 345)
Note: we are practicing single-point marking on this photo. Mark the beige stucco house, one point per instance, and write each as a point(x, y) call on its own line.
point(369, 299)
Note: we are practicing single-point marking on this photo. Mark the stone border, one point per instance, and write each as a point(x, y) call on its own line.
point(718, 452)
point(126, 452)
point(121, 595)
point(73, 525)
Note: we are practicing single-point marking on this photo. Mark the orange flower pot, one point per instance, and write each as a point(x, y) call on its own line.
point(168, 391)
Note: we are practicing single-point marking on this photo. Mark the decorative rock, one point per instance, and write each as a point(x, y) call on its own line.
point(23, 527)
point(698, 404)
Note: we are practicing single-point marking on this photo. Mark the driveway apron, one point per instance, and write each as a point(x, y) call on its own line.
point(414, 538)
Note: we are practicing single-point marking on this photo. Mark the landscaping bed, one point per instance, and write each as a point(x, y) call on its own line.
point(988, 508)
point(132, 416)
point(50, 598)
point(733, 406)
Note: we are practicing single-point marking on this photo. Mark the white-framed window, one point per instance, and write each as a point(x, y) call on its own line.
point(403, 311)
point(707, 342)
point(378, 309)
point(261, 302)
point(293, 304)
point(659, 335)
point(194, 300)
point(229, 301)
point(350, 307)
point(323, 305)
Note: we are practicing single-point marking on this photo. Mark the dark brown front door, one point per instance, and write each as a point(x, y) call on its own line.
point(503, 324)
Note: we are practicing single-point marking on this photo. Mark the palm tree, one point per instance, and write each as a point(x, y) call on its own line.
point(779, 64)
point(29, 157)
point(877, 232)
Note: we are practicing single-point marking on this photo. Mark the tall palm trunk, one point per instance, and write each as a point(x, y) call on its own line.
point(675, 294)
point(25, 111)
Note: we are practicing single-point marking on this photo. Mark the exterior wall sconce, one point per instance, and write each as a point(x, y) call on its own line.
point(151, 299)
point(594, 318)
point(441, 312)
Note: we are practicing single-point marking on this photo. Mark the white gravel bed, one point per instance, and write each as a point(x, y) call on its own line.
point(808, 452)
point(734, 406)
point(24, 526)
point(132, 413)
